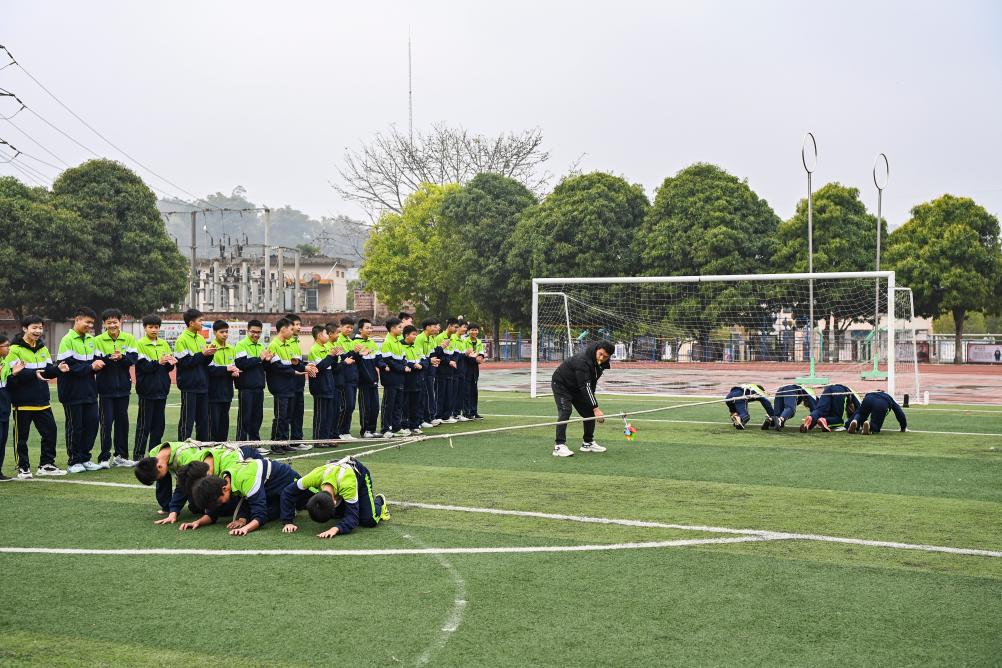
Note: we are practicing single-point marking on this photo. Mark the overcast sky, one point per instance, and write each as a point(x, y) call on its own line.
point(268, 95)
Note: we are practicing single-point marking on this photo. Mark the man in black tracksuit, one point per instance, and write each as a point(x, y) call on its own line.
point(573, 386)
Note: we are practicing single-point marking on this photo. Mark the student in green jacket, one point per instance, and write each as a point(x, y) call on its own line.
point(117, 349)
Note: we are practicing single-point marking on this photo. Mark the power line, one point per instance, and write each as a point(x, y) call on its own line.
point(36, 142)
point(92, 129)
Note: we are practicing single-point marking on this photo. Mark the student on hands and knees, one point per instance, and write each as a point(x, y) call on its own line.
point(737, 404)
point(869, 417)
point(338, 490)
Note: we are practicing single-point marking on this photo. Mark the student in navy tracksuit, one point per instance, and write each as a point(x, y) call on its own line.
point(391, 376)
point(737, 404)
point(153, 366)
point(836, 402)
point(428, 400)
point(349, 377)
point(4, 403)
point(325, 411)
point(222, 372)
point(788, 397)
point(260, 490)
point(193, 360)
point(872, 411)
point(250, 359)
point(368, 379)
point(281, 381)
point(297, 407)
point(76, 387)
point(114, 386)
point(337, 376)
point(444, 387)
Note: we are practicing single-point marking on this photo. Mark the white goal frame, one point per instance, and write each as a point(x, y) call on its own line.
point(538, 283)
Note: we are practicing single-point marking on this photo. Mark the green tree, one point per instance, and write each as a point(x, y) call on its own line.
point(308, 250)
point(706, 221)
point(845, 239)
point(484, 214)
point(135, 265)
point(46, 252)
point(585, 227)
point(948, 254)
point(408, 255)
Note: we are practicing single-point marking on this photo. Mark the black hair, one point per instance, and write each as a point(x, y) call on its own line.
point(31, 319)
point(321, 507)
point(190, 316)
point(361, 323)
point(3, 339)
point(391, 323)
point(428, 322)
point(146, 470)
point(451, 321)
point(189, 474)
point(472, 325)
point(255, 323)
point(347, 321)
point(293, 318)
point(317, 329)
point(409, 329)
point(220, 324)
point(282, 324)
point(85, 312)
point(152, 319)
point(403, 315)
point(607, 347)
point(110, 314)
point(205, 493)
point(331, 327)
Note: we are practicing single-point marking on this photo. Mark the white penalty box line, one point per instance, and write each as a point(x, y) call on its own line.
point(740, 535)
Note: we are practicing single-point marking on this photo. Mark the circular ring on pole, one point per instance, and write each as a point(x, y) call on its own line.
point(878, 180)
point(813, 152)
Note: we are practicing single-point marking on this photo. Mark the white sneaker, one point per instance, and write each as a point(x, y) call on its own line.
point(99, 465)
point(436, 422)
point(388, 434)
point(122, 462)
point(301, 447)
point(404, 432)
point(24, 474)
point(561, 450)
point(451, 420)
point(369, 434)
point(50, 469)
point(416, 432)
point(264, 452)
point(427, 425)
point(91, 466)
point(462, 418)
point(347, 437)
point(75, 468)
point(591, 447)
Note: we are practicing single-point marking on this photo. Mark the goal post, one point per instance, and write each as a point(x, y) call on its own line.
point(692, 335)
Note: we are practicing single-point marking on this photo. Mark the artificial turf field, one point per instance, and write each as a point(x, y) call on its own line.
point(769, 600)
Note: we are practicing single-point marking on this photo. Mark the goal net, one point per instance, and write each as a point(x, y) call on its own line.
point(700, 335)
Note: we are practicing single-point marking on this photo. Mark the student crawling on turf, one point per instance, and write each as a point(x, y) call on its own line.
point(170, 458)
point(251, 490)
point(788, 397)
point(837, 402)
point(737, 404)
point(339, 490)
point(869, 417)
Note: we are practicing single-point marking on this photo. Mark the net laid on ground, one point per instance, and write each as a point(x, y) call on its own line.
point(695, 335)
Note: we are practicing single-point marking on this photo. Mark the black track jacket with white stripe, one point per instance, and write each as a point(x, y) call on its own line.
point(579, 375)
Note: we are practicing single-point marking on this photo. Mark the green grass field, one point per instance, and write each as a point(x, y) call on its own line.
point(767, 601)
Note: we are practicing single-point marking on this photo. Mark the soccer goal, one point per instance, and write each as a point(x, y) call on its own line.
point(699, 335)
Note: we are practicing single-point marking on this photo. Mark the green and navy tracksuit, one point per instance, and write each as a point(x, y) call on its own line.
point(368, 384)
point(427, 401)
point(4, 411)
point(471, 392)
point(297, 408)
point(282, 384)
point(220, 390)
point(337, 373)
point(152, 389)
point(444, 376)
point(391, 375)
point(181, 453)
point(193, 382)
point(413, 384)
point(740, 395)
point(77, 390)
point(349, 384)
point(114, 386)
point(325, 409)
point(788, 397)
point(352, 483)
point(257, 485)
point(459, 348)
point(250, 385)
point(223, 457)
point(29, 398)
point(836, 403)
point(874, 408)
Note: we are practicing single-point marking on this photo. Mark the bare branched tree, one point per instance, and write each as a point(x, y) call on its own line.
point(380, 174)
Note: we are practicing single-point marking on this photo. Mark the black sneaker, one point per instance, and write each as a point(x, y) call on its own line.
point(478, 416)
point(767, 424)
point(4, 478)
point(280, 449)
point(780, 421)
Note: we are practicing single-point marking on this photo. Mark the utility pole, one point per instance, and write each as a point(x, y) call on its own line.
point(193, 292)
point(267, 260)
point(295, 290)
point(410, 91)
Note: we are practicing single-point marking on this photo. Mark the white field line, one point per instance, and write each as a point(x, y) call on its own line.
point(747, 533)
point(530, 549)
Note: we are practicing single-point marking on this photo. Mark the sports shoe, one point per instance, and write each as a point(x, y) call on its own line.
point(767, 424)
point(403, 432)
point(52, 469)
point(806, 424)
point(369, 434)
point(280, 449)
point(388, 434)
point(91, 466)
point(462, 418)
point(72, 468)
point(591, 447)
point(736, 420)
point(780, 423)
point(4, 478)
point(477, 416)
point(853, 425)
point(24, 474)
point(436, 422)
point(264, 451)
point(427, 425)
point(100, 465)
point(347, 437)
point(451, 420)
point(866, 428)
point(416, 432)
point(300, 447)
point(561, 450)
point(823, 424)
point(123, 462)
